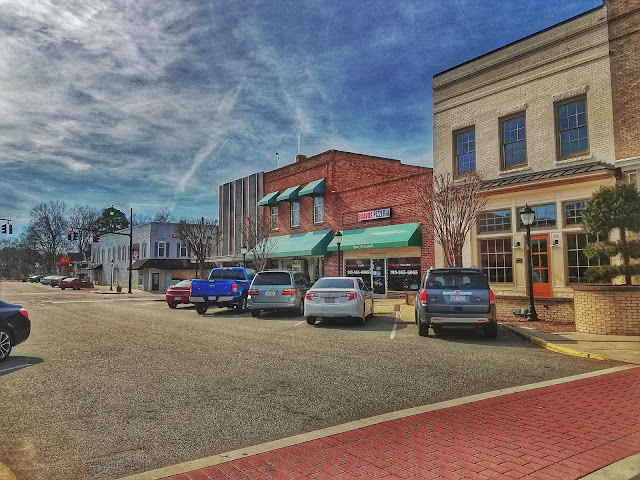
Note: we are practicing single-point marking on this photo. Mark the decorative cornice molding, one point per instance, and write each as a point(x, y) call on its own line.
point(574, 159)
point(514, 109)
point(467, 123)
point(515, 170)
point(574, 92)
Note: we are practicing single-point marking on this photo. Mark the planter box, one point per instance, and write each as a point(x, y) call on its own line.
point(607, 309)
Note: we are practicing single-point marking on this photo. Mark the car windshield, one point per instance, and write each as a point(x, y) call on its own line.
point(458, 280)
point(183, 283)
point(272, 278)
point(227, 275)
point(334, 283)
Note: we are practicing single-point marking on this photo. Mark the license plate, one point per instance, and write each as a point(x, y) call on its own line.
point(457, 298)
point(182, 299)
point(270, 293)
point(329, 300)
point(213, 298)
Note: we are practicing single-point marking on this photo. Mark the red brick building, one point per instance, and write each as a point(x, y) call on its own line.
point(371, 200)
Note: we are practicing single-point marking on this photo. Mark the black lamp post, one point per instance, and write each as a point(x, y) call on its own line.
point(244, 250)
point(527, 216)
point(130, 235)
point(111, 282)
point(338, 237)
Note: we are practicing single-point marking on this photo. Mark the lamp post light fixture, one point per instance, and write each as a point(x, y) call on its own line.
point(527, 217)
point(338, 237)
point(244, 250)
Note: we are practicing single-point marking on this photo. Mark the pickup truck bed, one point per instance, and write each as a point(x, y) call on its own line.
point(226, 287)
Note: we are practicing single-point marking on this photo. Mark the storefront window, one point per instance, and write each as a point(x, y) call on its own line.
point(359, 267)
point(403, 273)
point(496, 259)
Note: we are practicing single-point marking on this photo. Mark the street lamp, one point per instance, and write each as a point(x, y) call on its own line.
point(130, 235)
point(338, 237)
point(244, 250)
point(111, 281)
point(527, 216)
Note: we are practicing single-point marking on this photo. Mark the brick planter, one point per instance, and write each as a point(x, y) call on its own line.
point(607, 309)
point(557, 309)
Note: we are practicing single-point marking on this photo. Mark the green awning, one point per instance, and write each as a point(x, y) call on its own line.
point(313, 188)
point(403, 235)
point(297, 245)
point(268, 199)
point(289, 194)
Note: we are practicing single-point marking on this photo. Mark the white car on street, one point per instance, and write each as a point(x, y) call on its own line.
point(338, 297)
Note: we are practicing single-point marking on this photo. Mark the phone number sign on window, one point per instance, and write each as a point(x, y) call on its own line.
point(375, 214)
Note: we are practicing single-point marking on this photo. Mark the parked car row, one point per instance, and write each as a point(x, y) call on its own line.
point(15, 327)
point(61, 281)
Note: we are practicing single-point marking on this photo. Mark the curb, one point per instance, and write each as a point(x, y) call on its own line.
point(564, 350)
point(5, 473)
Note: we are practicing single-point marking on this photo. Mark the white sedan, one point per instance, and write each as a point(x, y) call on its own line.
point(338, 297)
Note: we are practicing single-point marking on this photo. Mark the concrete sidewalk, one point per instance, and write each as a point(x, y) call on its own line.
point(563, 429)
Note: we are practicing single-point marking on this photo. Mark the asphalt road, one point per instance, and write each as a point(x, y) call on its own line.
point(111, 385)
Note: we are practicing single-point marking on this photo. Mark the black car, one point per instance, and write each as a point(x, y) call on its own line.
point(15, 327)
point(458, 297)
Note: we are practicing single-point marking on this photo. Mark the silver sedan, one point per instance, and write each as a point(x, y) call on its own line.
point(338, 297)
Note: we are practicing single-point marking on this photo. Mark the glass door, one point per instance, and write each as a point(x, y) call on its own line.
point(379, 272)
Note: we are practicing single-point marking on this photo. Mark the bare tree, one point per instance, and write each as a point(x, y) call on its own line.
point(200, 237)
point(454, 205)
point(258, 240)
point(47, 229)
point(82, 221)
point(140, 218)
point(163, 216)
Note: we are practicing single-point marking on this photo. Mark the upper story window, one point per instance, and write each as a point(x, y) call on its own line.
point(274, 218)
point(144, 250)
point(631, 177)
point(295, 214)
point(161, 249)
point(181, 250)
point(119, 252)
point(573, 212)
point(514, 142)
point(318, 209)
point(495, 221)
point(465, 151)
point(572, 132)
point(545, 216)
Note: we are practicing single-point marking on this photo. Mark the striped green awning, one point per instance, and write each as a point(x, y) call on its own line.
point(314, 188)
point(403, 235)
point(289, 194)
point(268, 199)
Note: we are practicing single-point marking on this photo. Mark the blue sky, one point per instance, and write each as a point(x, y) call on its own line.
point(154, 104)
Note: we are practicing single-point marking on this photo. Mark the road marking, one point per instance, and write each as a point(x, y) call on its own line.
point(300, 323)
point(393, 331)
point(13, 368)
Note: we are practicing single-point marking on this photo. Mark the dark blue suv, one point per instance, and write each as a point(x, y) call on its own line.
point(458, 297)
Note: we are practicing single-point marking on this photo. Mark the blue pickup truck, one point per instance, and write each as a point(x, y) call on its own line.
point(225, 287)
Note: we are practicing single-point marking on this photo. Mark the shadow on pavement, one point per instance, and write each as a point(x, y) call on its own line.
point(16, 363)
point(375, 323)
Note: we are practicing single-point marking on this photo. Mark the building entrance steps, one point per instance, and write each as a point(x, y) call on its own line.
point(562, 429)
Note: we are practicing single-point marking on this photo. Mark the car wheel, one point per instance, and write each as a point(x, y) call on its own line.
point(201, 308)
point(301, 309)
point(62, 288)
point(255, 313)
point(363, 319)
point(242, 305)
point(423, 329)
point(311, 320)
point(5, 343)
point(172, 304)
point(76, 287)
point(491, 330)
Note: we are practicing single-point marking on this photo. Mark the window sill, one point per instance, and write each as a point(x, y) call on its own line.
point(514, 170)
point(574, 159)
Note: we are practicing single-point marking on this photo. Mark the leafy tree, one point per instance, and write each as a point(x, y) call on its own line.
point(200, 237)
point(453, 205)
point(47, 230)
point(111, 220)
point(610, 209)
point(83, 221)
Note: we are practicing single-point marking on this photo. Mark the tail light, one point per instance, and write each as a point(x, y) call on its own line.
point(350, 296)
point(234, 287)
point(190, 288)
point(311, 295)
point(289, 291)
point(253, 293)
point(492, 297)
point(423, 296)
point(24, 312)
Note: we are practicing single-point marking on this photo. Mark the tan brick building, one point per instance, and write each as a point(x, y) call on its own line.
point(546, 121)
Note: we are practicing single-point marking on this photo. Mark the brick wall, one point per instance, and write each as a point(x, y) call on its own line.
point(558, 309)
point(607, 310)
point(624, 53)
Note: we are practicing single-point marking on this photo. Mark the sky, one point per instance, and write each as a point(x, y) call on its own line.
point(152, 104)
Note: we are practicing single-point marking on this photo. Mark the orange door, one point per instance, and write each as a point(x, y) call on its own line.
point(540, 265)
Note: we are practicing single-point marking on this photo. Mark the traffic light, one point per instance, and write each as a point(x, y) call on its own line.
point(4, 228)
point(10, 229)
point(69, 235)
point(96, 238)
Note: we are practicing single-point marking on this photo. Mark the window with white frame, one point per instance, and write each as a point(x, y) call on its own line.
point(274, 218)
point(318, 209)
point(144, 250)
point(514, 142)
point(161, 249)
point(573, 135)
point(295, 214)
point(577, 261)
point(181, 250)
point(496, 260)
point(465, 151)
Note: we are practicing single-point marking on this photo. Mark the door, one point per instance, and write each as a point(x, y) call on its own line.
point(155, 281)
point(379, 273)
point(541, 266)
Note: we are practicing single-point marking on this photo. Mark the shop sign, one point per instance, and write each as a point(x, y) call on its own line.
point(403, 273)
point(375, 214)
point(361, 247)
point(64, 260)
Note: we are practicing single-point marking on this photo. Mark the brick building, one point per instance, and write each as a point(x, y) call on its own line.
point(545, 121)
point(371, 200)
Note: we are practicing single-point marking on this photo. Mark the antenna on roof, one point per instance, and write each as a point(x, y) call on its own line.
point(299, 133)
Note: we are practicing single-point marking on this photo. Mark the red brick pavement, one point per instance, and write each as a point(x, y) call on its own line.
point(563, 432)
